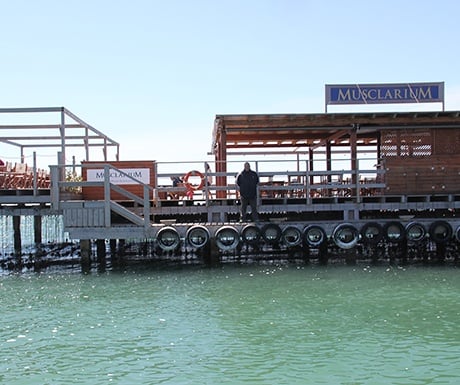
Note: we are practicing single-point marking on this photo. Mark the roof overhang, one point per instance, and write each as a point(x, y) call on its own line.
point(314, 130)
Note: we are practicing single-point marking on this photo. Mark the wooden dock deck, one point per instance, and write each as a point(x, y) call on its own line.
point(142, 218)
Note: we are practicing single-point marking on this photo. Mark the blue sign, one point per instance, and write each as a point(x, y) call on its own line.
point(385, 93)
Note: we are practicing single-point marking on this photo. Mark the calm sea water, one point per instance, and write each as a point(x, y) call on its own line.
point(232, 325)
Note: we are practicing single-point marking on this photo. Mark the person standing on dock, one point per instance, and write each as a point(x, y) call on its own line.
point(247, 181)
point(207, 180)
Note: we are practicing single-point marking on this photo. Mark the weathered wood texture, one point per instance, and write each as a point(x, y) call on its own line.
point(421, 161)
point(84, 216)
point(427, 175)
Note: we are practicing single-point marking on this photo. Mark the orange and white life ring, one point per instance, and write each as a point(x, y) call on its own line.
point(190, 186)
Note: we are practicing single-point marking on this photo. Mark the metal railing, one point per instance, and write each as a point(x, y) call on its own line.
point(301, 185)
point(277, 181)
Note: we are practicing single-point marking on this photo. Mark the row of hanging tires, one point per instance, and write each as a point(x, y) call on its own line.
point(344, 235)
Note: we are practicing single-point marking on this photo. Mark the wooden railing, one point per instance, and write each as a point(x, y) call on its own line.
point(302, 185)
point(59, 187)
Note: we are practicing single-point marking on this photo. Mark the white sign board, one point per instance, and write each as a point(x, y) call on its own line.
point(140, 174)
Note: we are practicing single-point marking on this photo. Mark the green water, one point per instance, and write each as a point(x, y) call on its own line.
point(233, 325)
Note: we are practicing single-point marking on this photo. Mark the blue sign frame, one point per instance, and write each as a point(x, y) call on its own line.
point(385, 93)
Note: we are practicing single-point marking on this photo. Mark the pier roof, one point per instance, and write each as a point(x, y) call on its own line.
point(313, 130)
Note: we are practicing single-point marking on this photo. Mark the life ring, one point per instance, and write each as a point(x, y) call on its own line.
point(190, 186)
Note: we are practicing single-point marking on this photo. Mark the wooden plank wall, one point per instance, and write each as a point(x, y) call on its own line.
point(84, 217)
point(97, 193)
point(423, 175)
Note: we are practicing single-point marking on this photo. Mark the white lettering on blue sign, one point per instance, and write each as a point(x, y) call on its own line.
point(385, 93)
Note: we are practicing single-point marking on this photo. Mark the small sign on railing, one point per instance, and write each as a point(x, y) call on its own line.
point(140, 174)
point(122, 173)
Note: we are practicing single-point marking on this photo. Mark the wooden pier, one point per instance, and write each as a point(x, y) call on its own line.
point(334, 181)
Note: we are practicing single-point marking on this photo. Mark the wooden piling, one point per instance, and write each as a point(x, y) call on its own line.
point(118, 257)
point(37, 229)
point(100, 250)
point(17, 235)
point(404, 252)
point(323, 253)
point(85, 250)
point(113, 247)
point(351, 256)
point(101, 253)
point(211, 253)
point(440, 252)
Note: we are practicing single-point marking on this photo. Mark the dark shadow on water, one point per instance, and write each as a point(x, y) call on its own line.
point(66, 260)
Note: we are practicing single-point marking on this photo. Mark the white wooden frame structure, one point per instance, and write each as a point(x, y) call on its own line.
point(87, 136)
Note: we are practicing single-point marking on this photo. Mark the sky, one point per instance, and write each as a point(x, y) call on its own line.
point(152, 75)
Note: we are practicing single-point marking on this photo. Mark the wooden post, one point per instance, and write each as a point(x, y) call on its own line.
point(34, 169)
point(354, 163)
point(113, 247)
point(221, 164)
point(404, 252)
point(306, 253)
point(322, 254)
point(100, 250)
point(350, 257)
point(85, 250)
point(440, 252)
point(114, 253)
point(37, 229)
point(119, 256)
point(121, 247)
point(211, 253)
point(17, 235)
point(101, 255)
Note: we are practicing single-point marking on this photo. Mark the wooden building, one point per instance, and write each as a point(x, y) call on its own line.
point(415, 152)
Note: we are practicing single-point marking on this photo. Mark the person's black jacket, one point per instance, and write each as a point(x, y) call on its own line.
point(248, 181)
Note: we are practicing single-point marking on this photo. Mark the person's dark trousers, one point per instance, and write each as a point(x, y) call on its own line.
point(251, 202)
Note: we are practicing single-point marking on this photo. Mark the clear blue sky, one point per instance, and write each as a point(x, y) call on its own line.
point(153, 74)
